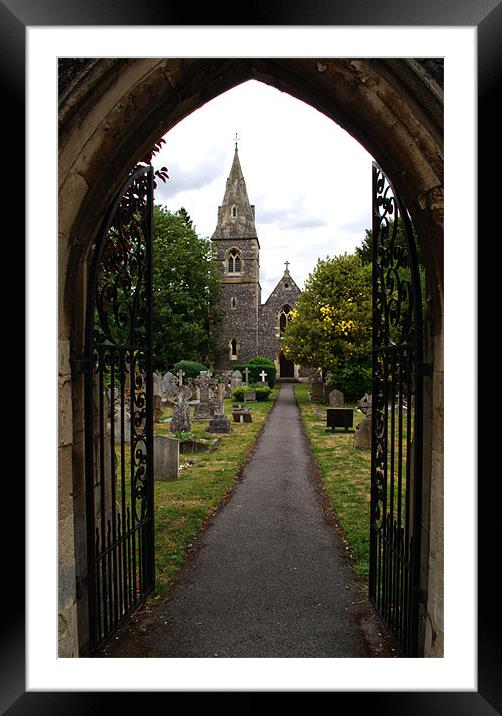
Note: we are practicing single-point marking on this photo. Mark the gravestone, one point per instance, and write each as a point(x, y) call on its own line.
point(157, 409)
point(249, 395)
point(241, 414)
point(166, 381)
point(362, 435)
point(117, 412)
point(339, 418)
point(158, 388)
point(246, 375)
point(219, 423)
point(364, 405)
point(317, 392)
point(227, 379)
point(166, 458)
point(236, 379)
point(336, 398)
point(181, 410)
point(206, 406)
point(170, 386)
point(263, 375)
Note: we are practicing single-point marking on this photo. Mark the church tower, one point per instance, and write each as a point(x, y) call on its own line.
point(237, 250)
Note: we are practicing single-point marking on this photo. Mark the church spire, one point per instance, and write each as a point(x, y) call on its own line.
point(236, 215)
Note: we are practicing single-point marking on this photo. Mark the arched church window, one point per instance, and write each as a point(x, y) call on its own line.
point(284, 316)
point(234, 211)
point(234, 261)
point(233, 349)
point(233, 302)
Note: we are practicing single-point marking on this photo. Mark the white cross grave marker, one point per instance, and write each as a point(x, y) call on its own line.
point(246, 373)
point(181, 373)
point(263, 375)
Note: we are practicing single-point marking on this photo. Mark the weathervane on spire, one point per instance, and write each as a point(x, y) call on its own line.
point(236, 140)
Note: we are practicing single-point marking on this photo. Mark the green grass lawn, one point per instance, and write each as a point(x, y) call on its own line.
point(183, 506)
point(345, 473)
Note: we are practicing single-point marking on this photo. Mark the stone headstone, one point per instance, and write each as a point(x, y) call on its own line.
point(166, 382)
point(249, 395)
point(158, 387)
point(166, 458)
point(157, 408)
point(205, 408)
point(246, 375)
point(236, 379)
point(181, 410)
point(219, 403)
point(336, 398)
point(170, 386)
point(241, 414)
point(263, 375)
point(364, 405)
point(226, 377)
point(362, 434)
point(317, 392)
point(118, 421)
point(219, 424)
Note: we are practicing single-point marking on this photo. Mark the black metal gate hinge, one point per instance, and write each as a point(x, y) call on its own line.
point(79, 365)
point(422, 596)
point(425, 369)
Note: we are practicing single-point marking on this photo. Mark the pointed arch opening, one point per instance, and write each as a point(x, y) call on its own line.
point(233, 262)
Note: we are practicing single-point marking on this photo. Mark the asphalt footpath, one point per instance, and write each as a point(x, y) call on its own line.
point(271, 577)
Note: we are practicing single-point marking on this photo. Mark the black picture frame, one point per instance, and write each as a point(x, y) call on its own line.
point(15, 17)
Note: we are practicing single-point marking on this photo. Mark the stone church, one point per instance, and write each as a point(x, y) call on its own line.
point(248, 327)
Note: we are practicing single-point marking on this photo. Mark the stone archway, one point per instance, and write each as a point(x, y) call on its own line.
point(111, 114)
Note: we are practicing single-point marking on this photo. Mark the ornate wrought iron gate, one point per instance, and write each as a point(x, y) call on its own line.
point(397, 414)
point(119, 411)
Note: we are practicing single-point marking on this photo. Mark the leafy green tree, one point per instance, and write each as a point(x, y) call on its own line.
point(365, 250)
point(365, 253)
point(330, 326)
point(185, 288)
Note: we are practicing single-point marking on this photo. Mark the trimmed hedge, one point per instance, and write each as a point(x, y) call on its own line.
point(262, 392)
point(353, 380)
point(255, 366)
point(190, 367)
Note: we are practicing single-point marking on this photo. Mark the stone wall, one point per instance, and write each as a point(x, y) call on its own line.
point(67, 614)
point(285, 293)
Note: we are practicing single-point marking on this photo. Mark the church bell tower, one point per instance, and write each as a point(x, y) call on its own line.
point(237, 250)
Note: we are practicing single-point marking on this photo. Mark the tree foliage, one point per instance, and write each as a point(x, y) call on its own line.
point(365, 251)
point(186, 288)
point(330, 326)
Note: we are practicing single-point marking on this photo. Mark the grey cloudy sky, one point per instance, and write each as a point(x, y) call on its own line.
point(309, 180)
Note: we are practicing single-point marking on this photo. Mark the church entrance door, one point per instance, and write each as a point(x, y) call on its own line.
point(286, 367)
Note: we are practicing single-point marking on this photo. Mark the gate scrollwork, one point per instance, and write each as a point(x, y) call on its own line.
point(119, 410)
point(397, 345)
